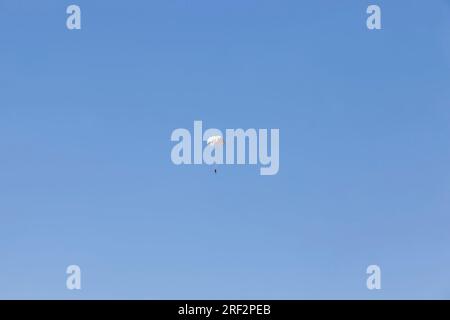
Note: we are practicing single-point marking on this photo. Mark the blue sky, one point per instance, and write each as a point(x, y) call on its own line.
point(85, 170)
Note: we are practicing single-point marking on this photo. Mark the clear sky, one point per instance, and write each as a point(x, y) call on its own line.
point(86, 176)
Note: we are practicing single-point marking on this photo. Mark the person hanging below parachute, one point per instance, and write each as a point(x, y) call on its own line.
point(215, 141)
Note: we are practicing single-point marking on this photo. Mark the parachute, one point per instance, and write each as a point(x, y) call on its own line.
point(215, 141)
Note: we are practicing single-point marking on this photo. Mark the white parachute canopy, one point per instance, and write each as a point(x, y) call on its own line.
point(215, 140)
